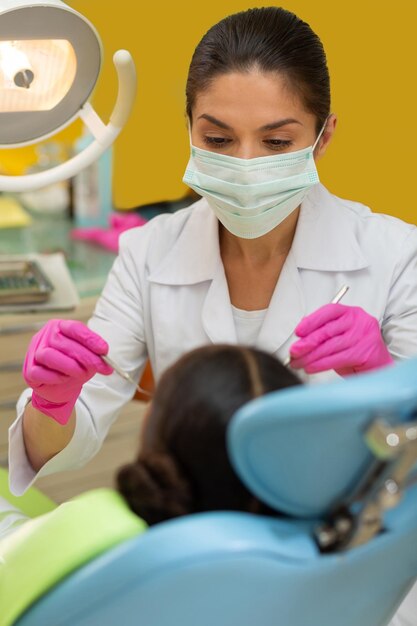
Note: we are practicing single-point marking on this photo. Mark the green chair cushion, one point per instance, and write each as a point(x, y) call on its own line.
point(32, 503)
point(42, 551)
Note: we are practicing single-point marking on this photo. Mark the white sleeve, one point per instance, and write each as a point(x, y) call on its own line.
point(118, 318)
point(399, 326)
point(10, 518)
point(407, 612)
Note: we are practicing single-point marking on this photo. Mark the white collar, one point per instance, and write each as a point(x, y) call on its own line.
point(325, 240)
point(195, 255)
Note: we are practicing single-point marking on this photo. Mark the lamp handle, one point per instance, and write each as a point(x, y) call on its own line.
point(104, 135)
point(126, 74)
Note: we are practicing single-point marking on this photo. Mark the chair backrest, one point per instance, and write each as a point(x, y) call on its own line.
point(237, 569)
point(302, 450)
point(231, 569)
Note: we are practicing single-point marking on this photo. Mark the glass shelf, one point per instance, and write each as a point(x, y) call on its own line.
point(88, 264)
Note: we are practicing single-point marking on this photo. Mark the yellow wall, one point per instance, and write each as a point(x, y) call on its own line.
point(371, 48)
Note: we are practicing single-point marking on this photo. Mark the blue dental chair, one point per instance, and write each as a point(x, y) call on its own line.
point(337, 462)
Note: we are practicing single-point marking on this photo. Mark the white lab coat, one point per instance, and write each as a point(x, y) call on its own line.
point(167, 293)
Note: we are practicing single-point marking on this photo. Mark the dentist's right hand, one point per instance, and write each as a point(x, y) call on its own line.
point(61, 357)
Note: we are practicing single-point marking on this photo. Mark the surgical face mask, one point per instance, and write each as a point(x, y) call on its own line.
point(252, 196)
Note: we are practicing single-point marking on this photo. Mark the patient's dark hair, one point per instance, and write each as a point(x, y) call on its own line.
point(183, 466)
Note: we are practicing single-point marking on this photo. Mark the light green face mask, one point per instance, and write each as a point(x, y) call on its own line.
point(252, 196)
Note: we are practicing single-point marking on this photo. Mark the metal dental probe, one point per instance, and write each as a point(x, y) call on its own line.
point(123, 374)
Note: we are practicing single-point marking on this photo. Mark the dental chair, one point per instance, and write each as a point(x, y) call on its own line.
point(337, 462)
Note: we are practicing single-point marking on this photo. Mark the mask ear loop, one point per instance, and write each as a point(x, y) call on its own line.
point(189, 131)
point(323, 128)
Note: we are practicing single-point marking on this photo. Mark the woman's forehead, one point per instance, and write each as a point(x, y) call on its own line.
point(258, 97)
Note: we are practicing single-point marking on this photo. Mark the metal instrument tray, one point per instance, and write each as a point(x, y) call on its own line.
point(23, 282)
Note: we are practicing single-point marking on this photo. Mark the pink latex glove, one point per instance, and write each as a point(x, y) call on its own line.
point(61, 357)
point(109, 237)
point(341, 338)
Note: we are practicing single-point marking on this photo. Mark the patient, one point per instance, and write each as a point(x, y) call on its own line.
point(183, 466)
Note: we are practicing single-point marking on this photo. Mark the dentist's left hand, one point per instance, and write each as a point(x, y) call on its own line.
point(342, 338)
point(61, 357)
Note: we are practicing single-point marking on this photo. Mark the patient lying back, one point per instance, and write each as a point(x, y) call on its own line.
point(183, 465)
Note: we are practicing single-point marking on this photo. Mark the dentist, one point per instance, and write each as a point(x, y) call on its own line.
point(266, 247)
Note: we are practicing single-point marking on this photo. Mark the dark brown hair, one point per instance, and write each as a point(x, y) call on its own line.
point(183, 466)
point(269, 39)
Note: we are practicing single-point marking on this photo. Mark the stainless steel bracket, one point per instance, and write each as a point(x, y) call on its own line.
point(361, 518)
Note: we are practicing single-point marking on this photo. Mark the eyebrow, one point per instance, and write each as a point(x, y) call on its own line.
point(271, 126)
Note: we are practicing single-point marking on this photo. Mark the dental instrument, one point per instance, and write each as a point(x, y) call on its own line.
point(124, 374)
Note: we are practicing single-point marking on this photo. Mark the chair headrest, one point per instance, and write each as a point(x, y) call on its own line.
point(302, 450)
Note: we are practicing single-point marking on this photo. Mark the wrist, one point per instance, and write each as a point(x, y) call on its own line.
point(58, 411)
point(383, 360)
point(43, 437)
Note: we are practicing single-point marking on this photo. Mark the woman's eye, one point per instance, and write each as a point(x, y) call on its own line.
point(278, 144)
point(216, 142)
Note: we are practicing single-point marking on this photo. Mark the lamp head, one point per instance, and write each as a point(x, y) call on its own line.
point(50, 58)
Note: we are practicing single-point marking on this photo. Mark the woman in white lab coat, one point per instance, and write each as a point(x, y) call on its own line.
point(265, 247)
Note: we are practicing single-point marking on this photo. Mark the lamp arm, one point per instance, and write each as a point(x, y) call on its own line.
point(104, 135)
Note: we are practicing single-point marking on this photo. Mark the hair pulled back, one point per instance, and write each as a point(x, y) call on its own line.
point(183, 466)
point(154, 488)
point(269, 39)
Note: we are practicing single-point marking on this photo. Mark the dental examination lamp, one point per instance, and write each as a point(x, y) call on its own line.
point(50, 58)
